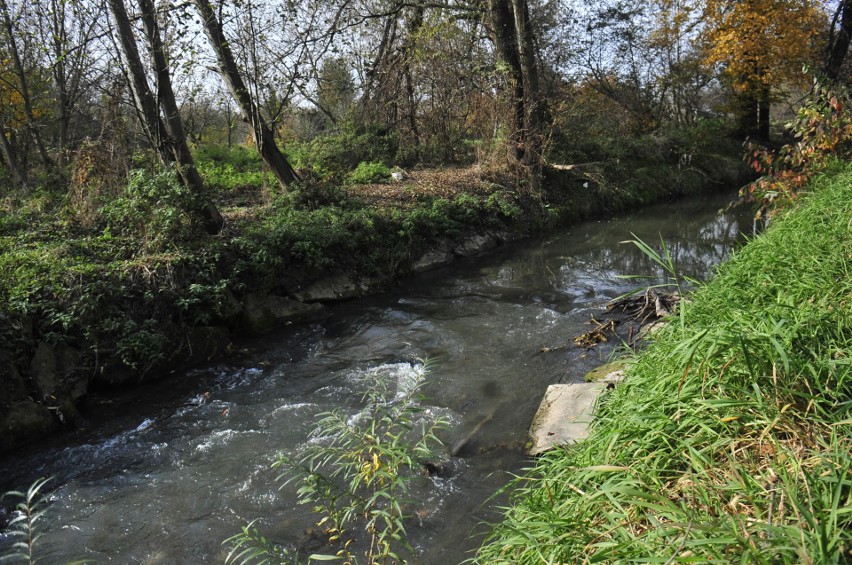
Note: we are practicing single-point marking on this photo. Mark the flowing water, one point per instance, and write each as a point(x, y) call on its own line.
point(170, 471)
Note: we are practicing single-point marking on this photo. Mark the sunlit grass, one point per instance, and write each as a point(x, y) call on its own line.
point(731, 439)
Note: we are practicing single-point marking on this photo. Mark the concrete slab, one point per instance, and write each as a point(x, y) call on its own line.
point(564, 415)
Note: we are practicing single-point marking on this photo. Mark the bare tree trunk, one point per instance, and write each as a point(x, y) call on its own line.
point(69, 60)
point(503, 36)
point(144, 101)
point(10, 158)
point(374, 79)
point(532, 90)
point(263, 136)
point(838, 45)
point(747, 108)
point(764, 103)
point(515, 49)
point(175, 138)
point(167, 137)
point(414, 25)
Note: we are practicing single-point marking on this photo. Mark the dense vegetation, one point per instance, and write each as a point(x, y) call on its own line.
point(176, 175)
point(730, 439)
point(167, 169)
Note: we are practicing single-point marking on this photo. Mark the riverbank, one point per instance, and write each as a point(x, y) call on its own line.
point(730, 438)
point(133, 291)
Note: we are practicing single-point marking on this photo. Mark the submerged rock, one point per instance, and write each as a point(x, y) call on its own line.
point(338, 287)
point(612, 372)
point(263, 312)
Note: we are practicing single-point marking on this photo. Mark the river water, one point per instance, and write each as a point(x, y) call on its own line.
point(172, 470)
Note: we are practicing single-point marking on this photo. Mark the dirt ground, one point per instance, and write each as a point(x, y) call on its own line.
point(431, 183)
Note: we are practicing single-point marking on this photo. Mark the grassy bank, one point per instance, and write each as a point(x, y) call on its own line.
point(731, 439)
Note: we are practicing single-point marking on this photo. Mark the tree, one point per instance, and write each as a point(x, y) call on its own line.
point(335, 89)
point(760, 45)
point(66, 31)
point(838, 40)
point(227, 66)
point(165, 133)
point(22, 82)
point(514, 42)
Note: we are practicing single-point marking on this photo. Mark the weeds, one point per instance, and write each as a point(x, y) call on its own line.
point(730, 440)
point(355, 473)
point(823, 131)
point(23, 528)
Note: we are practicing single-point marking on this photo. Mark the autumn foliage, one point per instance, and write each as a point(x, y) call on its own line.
point(762, 43)
point(823, 131)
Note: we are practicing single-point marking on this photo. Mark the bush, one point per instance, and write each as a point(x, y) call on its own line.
point(332, 157)
point(368, 173)
point(229, 169)
point(156, 209)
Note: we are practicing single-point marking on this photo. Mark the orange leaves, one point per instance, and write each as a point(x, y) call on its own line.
point(823, 128)
point(761, 42)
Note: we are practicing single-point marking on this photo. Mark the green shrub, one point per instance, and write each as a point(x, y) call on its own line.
point(368, 173)
point(241, 158)
point(332, 157)
point(156, 209)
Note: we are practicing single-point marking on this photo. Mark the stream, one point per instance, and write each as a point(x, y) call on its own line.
point(167, 472)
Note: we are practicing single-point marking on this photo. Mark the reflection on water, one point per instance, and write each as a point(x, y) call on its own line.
point(179, 467)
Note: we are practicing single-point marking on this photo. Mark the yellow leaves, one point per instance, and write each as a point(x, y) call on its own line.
point(369, 468)
point(761, 42)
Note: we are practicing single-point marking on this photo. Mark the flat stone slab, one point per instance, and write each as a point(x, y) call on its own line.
point(564, 415)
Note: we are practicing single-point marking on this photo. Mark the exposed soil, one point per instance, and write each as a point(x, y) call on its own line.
point(425, 184)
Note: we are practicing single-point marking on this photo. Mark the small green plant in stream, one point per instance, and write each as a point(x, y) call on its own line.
point(666, 262)
point(23, 527)
point(356, 474)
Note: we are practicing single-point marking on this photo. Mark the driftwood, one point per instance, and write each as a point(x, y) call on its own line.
point(645, 307)
point(632, 314)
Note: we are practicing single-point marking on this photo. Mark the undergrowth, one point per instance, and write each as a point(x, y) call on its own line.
point(731, 439)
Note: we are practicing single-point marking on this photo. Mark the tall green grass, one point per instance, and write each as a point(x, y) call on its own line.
point(731, 439)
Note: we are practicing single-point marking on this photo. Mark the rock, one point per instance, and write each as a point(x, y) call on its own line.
point(68, 414)
point(441, 469)
point(399, 176)
point(114, 373)
point(51, 366)
point(432, 260)
point(339, 287)
point(564, 415)
point(25, 421)
point(475, 244)
point(12, 384)
point(230, 308)
point(612, 372)
point(262, 313)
